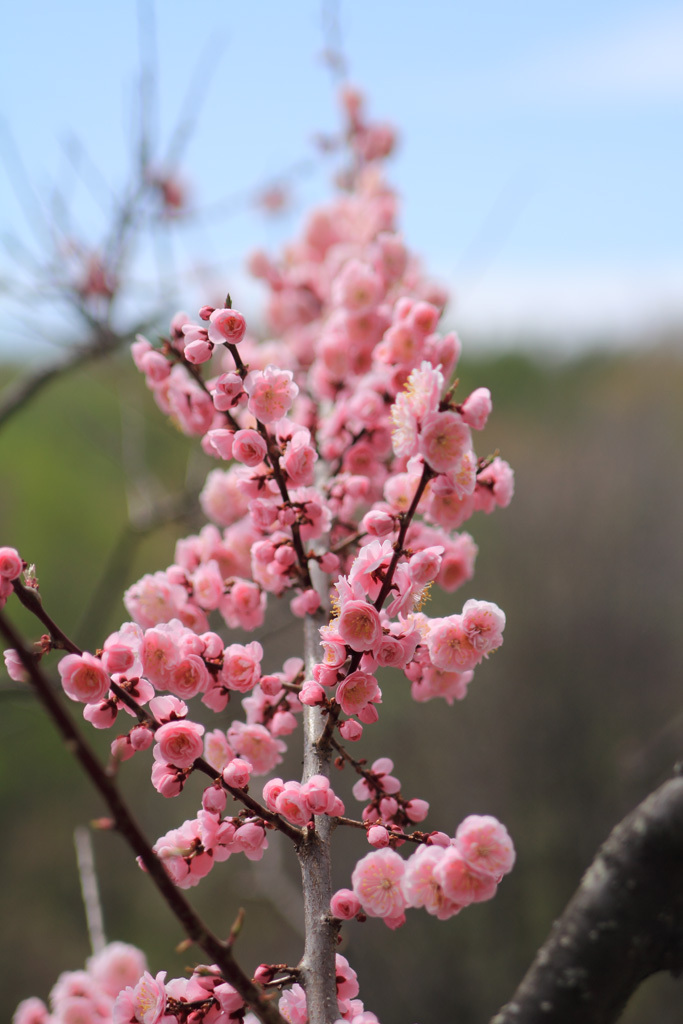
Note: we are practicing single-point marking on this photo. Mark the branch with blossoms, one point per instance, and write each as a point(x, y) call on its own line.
point(351, 470)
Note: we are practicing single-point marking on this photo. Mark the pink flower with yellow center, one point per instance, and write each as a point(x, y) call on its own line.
point(377, 882)
point(359, 626)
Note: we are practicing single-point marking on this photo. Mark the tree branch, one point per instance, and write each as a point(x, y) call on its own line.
point(219, 952)
point(624, 923)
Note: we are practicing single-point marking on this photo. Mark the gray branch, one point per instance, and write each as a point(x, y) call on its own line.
point(318, 962)
point(623, 924)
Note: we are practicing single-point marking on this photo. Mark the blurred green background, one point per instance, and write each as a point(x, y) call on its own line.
point(571, 724)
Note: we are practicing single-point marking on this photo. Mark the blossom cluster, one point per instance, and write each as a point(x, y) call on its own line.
point(349, 472)
point(443, 876)
point(115, 987)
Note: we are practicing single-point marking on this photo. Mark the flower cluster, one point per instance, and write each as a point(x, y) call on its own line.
point(116, 988)
point(442, 876)
point(349, 470)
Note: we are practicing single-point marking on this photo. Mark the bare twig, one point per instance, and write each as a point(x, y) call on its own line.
point(89, 888)
point(217, 950)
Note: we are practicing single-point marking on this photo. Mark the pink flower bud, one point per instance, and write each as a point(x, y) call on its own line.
point(378, 836)
point(83, 678)
point(329, 562)
point(214, 800)
point(226, 325)
point(475, 410)
point(271, 792)
point(344, 904)
point(249, 447)
point(11, 563)
point(311, 693)
point(221, 441)
point(205, 312)
point(417, 810)
point(270, 685)
point(141, 737)
point(179, 743)
point(237, 773)
point(198, 351)
point(378, 524)
point(351, 730)
point(305, 604)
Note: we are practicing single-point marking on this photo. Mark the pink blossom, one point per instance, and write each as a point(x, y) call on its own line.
point(179, 743)
point(460, 882)
point(244, 606)
point(15, 666)
point(167, 709)
point(219, 442)
point(357, 287)
point(227, 391)
point(424, 566)
point(271, 792)
point(444, 438)
point(198, 351)
point(359, 626)
point(345, 904)
point(378, 836)
point(189, 677)
point(483, 623)
point(11, 563)
point(311, 693)
point(306, 603)
point(83, 678)
point(222, 498)
point(351, 730)
point(292, 1005)
point(416, 810)
point(241, 666)
point(377, 882)
point(251, 840)
point(356, 692)
point(144, 1003)
point(457, 564)
point(32, 1011)
point(485, 845)
point(318, 796)
point(237, 773)
point(292, 805)
point(449, 645)
point(299, 459)
point(153, 599)
point(476, 408)
point(495, 486)
point(226, 325)
point(256, 745)
point(422, 888)
point(249, 448)
point(271, 393)
point(117, 966)
point(378, 523)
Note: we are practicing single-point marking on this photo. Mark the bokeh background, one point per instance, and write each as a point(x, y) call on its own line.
point(540, 170)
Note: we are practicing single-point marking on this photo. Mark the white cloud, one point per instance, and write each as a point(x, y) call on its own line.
point(576, 306)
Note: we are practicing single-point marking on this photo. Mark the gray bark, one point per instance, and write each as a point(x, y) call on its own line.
point(624, 923)
point(317, 965)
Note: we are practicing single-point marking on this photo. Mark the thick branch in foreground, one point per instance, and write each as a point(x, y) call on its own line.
point(624, 923)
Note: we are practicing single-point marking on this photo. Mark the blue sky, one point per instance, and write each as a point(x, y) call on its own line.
point(541, 155)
